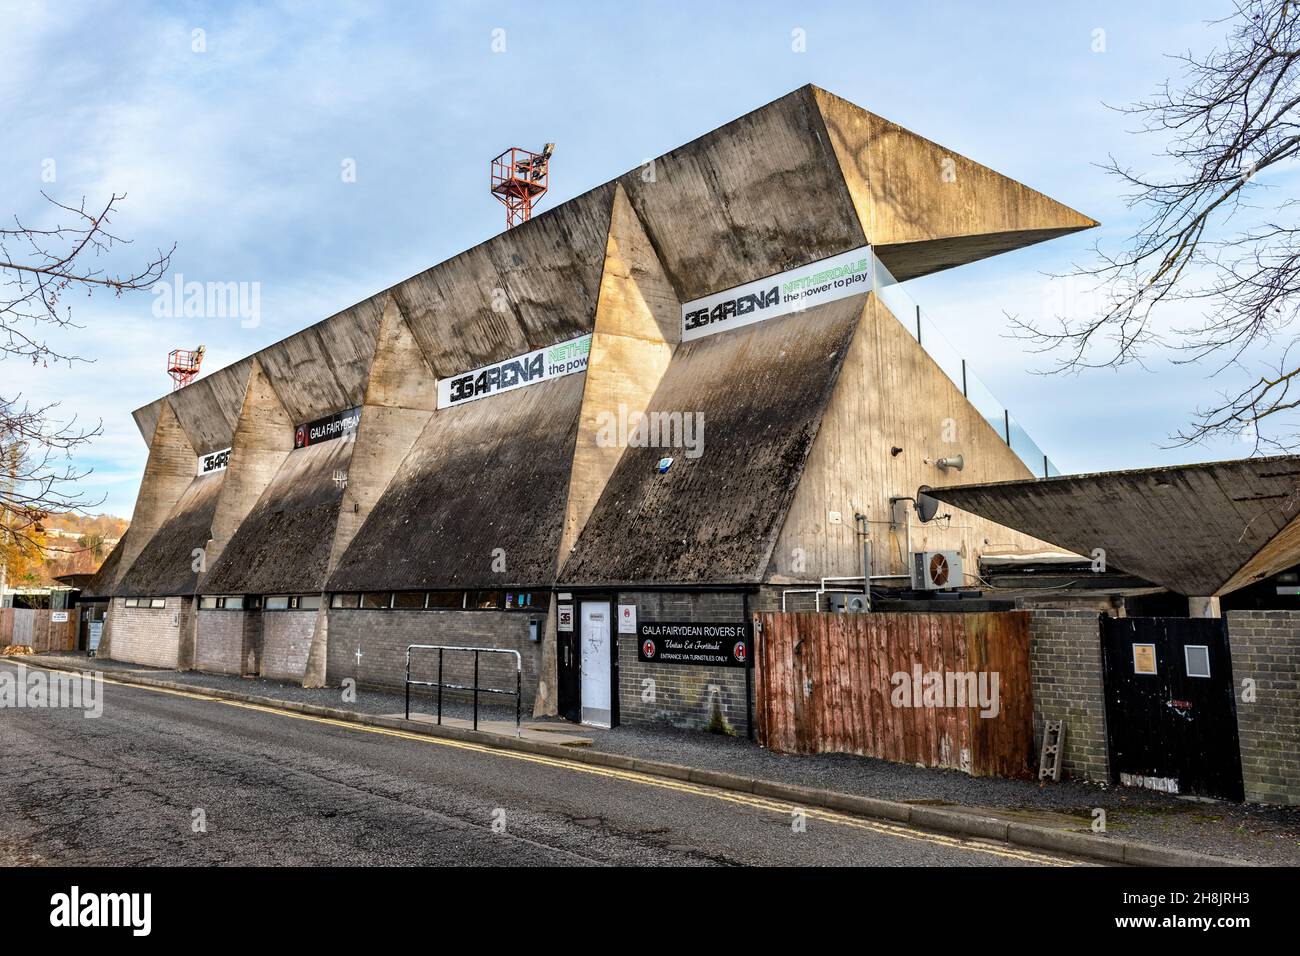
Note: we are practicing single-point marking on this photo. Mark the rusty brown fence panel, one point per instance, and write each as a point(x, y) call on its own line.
point(833, 683)
point(36, 629)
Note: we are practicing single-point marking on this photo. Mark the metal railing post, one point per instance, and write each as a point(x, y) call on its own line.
point(476, 690)
point(440, 686)
point(408, 683)
point(519, 697)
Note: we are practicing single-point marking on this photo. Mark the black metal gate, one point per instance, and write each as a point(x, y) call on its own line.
point(1171, 715)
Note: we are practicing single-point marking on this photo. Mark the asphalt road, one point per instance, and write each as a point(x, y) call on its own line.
point(127, 788)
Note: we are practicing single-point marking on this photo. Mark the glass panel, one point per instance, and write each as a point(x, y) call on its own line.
point(375, 599)
point(277, 602)
point(408, 599)
point(207, 602)
point(309, 602)
point(486, 599)
point(157, 602)
point(346, 600)
point(452, 599)
point(234, 602)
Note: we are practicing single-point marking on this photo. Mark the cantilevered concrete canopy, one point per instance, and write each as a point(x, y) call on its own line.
point(1200, 530)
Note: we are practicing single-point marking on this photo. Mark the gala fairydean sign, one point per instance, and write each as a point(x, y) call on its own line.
point(704, 645)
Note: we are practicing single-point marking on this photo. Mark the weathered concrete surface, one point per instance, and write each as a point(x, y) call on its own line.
point(757, 196)
point(208, 409)
point(760, 391)
point(283, 546)
point(168, 564)
point(168, 472)
point(485, 480)
point(925, 208)
point(533, 286)
point(1190, 528)
point(890, 395)
point(262, 440)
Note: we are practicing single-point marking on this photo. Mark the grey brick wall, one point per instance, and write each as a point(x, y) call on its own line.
point(286, 639)
point(1065, 667)
point(679, 694)
point(219, 645)
point(144, 635)
point(1266, 650)
point(383, 635)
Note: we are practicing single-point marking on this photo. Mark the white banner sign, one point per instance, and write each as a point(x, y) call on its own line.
point(817, 283)
point(538, 366)
point(217, 461)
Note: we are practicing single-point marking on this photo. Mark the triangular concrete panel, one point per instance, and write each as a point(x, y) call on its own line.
point(638, 325)
point(925, 208)
point(261, 443)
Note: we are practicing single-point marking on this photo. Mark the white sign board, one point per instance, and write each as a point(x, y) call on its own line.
point(217, 461)
point(817, 283)
point(540, 365)
point(627, 618)
point(564, 619)
point(58, 617)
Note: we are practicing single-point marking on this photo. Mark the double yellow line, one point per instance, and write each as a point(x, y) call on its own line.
point(646, 780)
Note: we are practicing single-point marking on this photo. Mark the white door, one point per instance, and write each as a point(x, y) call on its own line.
point(597, 709)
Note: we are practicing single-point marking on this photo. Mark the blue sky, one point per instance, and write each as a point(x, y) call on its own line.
point(236, 152)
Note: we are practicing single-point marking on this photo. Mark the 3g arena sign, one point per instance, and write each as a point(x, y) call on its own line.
point(538, 366)
point(217, 461)
point(817, 283)
point(328, 428)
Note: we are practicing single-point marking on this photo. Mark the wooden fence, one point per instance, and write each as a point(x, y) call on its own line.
point(36, 629)
point(904, 687)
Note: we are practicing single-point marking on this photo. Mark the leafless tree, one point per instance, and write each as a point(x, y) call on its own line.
point(40, 270)
point(1219, 230)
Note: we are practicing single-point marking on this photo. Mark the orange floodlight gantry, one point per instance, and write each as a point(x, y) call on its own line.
point(519, 180)
point(183, 365)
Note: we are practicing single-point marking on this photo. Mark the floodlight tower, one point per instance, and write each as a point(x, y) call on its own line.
point(183, 366)
point(519, 180)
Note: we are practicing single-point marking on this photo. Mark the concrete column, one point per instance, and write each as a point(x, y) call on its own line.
point(1203, 607)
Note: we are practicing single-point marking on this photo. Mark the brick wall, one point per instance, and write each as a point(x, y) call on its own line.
point(147, 635)
point(679, 694)
point(383, 635)
point(286, 639)
point(1266, 650)
point(1065, 666)
point(220, 642)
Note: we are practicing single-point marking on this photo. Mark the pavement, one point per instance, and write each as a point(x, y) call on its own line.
point(166, 776)
point(1233, 832)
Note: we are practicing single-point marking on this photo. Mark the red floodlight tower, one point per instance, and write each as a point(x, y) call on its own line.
point(183, 366)
point(519, 180)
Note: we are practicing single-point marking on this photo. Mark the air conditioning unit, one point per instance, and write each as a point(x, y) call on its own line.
point(936, 570)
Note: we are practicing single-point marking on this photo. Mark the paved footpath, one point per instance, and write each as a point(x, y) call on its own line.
point(272, 788)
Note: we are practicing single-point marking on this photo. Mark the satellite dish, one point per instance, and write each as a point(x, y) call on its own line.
point(926, 506)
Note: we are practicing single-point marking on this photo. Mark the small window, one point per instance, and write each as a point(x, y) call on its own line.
point(157, 602)
point(234, 602)
point(446, 599)
point(346, 600)
point(376, 599)
point(1197, 657)
point(486, 599)
point(408, 599)
point(277, 602)
point(132, 602)
point(525, 601)
point(208, 602)
point(309, 602)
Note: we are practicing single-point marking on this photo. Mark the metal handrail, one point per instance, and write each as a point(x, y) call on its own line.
point(440, 648)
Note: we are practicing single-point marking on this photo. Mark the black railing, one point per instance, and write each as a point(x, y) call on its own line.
point(476, 651)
